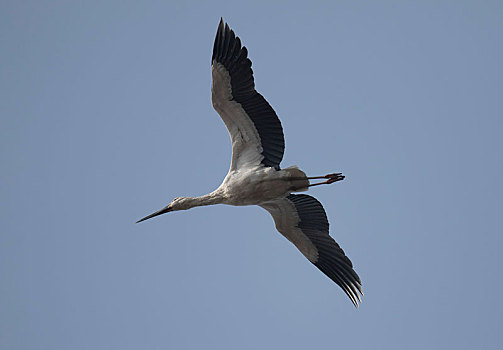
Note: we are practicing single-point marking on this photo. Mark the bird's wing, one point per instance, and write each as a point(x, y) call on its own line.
point(255, 130)
point(302, 220)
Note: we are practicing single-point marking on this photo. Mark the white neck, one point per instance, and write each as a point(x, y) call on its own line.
point(184, 203)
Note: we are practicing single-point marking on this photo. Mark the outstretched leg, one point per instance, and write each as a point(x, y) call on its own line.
point(331, 179)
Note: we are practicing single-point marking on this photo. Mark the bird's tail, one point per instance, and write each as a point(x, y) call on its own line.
point(297, 178)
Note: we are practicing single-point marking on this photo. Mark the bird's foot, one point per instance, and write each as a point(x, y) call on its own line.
point(334, 177)
point(331, 179)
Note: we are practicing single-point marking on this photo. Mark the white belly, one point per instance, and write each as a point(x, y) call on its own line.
point(262, 184)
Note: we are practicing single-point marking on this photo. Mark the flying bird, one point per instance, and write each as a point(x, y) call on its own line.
point(255, 176)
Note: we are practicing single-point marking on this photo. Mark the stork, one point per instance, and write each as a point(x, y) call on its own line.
point(255, 177)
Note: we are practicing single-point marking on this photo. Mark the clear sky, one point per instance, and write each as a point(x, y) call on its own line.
point(105, 116)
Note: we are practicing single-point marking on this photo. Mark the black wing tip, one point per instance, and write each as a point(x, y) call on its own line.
point(350, 286)
point(345, 277)
point(223, 31)
point(349, 282)
point(227, 46)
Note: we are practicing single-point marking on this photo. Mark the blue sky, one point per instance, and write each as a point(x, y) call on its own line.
point(105, 116)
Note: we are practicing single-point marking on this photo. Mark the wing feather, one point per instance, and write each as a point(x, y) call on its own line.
point(255, 130)
point(303, 221)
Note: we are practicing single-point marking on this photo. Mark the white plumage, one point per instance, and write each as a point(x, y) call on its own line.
point(255, 177)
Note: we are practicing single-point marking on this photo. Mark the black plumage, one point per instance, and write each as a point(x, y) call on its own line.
point(332, 260)
point(228, 51)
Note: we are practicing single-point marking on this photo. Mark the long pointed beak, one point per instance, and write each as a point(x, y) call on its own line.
point(159, 212)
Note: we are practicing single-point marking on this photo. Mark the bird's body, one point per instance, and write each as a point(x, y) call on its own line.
point(258, 185)
point(255, 177)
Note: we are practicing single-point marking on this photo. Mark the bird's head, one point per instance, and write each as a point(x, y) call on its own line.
point(179, 203)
